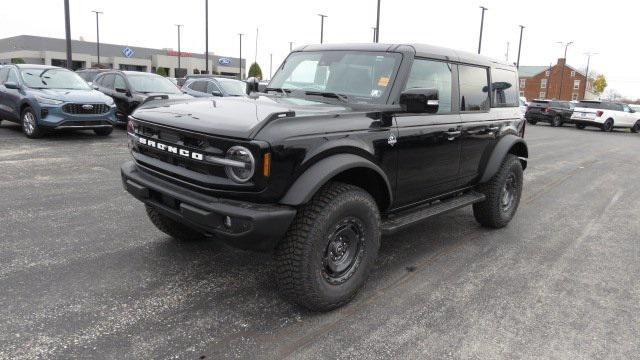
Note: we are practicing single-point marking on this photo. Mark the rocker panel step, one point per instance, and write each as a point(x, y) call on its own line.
point(410, 217)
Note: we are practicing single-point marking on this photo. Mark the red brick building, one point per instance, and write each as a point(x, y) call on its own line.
point(543, 82)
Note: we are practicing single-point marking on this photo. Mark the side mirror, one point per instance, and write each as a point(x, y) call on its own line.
point(252, 85)
point(123, 91)
point(11, 85)
point(420, 100)
point(216, 93)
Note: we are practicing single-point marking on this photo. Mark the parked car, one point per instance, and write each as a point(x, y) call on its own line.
point(90, 74)
point(605, 115)
point(350, 142)
point(635, 107)
point(214, 86)
point(129, 89)
point(44, 98)
point(182, 81)
point(553, 112)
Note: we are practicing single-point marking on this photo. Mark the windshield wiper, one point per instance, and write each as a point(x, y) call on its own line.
point(342, 97)
point(282, 91)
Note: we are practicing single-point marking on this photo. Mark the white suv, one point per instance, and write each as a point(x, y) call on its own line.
point(605, 115)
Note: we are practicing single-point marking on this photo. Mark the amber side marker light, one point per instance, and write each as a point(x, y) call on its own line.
point(266, 164)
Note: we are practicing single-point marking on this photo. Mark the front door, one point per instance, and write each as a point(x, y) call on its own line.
point(428, 145)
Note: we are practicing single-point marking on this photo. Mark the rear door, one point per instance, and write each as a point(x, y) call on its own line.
point(428, 145)
point(480, 127)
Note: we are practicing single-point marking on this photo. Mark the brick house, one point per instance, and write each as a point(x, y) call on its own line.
point(543, 82)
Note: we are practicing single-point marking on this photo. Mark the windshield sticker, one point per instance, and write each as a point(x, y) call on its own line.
point(376, 93)
point(383, 81)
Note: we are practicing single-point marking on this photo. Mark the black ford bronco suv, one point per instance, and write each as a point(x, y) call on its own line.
point(346, 144)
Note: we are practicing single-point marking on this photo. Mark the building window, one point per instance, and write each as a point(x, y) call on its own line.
point(543, 83)
point(574, 96)
point(573, 73)
point(521, 93)
point(523, 82)
point(542, 94)
point(547, 73)
point(576, 84)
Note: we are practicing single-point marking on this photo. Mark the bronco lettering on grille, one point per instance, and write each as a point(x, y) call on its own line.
point(171, 149)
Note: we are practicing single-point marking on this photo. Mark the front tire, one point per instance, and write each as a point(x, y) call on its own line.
point(636, 127)
point(30, 126)
point(607, 126)
point(330, 248)
point(171, 227)
point(103, 131)
point(502, 194)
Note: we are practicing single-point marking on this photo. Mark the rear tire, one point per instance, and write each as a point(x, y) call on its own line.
point(30, 126)
point(103, 131)
point(330, 248)
point(557, 121)
point(607, 126)
point(502, 194)
point(171, 227)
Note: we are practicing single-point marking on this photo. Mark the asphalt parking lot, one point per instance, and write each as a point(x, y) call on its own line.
point(83, 273)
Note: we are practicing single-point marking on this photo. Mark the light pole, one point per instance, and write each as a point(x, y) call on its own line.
point(240, 65)
point(206, 36)
point(376, 36)
point(322, 27)
point(270, 66)
point(589, 55)
point(255, 57)
point(97, 33)
point(481, 27)
point(179, 53)
point(566, 46)
point(519, 46)
point(67, 29)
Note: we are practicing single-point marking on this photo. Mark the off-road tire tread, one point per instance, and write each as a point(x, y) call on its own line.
point(488, 212)
point(289, 259)
point(172, 228)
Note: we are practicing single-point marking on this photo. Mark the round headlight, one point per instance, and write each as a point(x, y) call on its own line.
point(241, 154)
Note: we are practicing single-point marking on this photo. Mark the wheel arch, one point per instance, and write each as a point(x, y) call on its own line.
point(348, 168)
point(510, 144)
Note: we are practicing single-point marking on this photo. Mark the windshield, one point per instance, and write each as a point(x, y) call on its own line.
point(364, 77)
point(233, 87)
point(53, 79)
point(152, 84)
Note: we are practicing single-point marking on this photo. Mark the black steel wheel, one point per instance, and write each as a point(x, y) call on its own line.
point(607, 126)
point(329, 250)
point(636, 127)
point(502, 195)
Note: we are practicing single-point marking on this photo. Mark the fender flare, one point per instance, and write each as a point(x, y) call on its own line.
point(321, 172)
point(502, 148)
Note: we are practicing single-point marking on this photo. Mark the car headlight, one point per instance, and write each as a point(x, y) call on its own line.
point(110, 101)
point(240, 154)
point(47, 101)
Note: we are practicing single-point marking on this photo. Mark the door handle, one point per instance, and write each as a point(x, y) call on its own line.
point(451, 135)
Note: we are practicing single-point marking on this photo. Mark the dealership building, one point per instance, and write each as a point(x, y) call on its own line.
point(52, 51)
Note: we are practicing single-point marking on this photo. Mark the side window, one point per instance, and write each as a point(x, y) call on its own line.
point(430, 74)
point(3, 75)
point(13, 76)
point(119, 82)
point(626, 108)
point(504, 89)
point(199, 86)
point(211, 87)
point(107, 81)
point(474, 88)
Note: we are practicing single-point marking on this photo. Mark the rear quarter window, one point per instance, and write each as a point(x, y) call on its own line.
point(504, 86)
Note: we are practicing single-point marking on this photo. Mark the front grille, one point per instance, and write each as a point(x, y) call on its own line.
point(85, 109)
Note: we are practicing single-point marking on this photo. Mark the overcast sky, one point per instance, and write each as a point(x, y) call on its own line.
point(606, 27)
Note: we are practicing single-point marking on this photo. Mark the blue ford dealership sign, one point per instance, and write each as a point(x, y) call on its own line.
point(128, 52)
point(224, 61)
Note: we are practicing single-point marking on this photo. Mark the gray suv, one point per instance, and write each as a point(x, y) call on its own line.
point(214, 86)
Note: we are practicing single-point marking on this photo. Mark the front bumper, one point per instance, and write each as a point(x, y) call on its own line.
point(252, 226)
point(52, 117)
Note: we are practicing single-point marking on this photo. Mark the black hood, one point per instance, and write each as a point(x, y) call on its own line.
point(236, 117)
